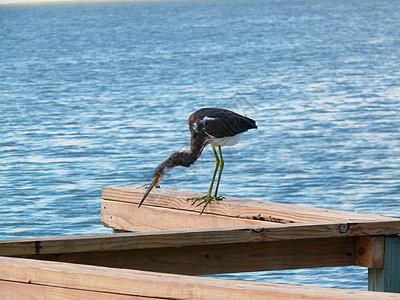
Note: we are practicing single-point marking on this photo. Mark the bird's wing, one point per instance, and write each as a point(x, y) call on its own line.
point(223, 123)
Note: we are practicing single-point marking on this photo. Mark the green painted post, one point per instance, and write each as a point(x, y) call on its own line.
point(387, 279)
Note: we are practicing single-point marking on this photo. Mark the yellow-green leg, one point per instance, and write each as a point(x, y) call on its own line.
point(217, 163)
point(221, 167)
point(207, 199)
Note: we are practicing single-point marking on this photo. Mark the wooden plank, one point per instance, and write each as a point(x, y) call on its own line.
point(387, 279)
point(20, 290)
point(224, 258)
point(369, 251)
point(192, 237)
point(235, 207)
point(158, 285)
point(127, 216)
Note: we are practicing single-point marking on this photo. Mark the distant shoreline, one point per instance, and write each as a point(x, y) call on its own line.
point(52, 2)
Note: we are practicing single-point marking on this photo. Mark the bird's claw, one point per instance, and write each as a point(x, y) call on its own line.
point(207, 199)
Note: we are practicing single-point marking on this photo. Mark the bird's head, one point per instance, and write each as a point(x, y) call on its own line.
point(159, 173)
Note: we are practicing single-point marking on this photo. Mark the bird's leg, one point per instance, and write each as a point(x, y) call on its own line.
point(207, 199)
point(215, 172)
point(221, 167)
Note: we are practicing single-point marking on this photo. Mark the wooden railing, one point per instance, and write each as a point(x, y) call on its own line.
point(168, 240)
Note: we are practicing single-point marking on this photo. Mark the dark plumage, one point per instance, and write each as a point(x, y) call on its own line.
point(215, 126)
point(219, 122)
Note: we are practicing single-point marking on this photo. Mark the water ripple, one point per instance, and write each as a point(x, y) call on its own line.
point(97, 95)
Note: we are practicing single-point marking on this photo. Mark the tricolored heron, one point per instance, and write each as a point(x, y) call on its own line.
point(215, 126)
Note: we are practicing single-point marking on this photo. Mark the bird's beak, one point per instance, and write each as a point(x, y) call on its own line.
point(156, 179)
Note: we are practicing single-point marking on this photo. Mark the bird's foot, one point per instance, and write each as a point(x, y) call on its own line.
point(207, 199)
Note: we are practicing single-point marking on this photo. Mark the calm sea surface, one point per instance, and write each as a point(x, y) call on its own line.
point(98, 95)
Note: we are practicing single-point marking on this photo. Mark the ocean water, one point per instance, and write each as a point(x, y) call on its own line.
point(96, 95)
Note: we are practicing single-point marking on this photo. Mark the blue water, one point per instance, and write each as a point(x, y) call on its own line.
point(97, 95)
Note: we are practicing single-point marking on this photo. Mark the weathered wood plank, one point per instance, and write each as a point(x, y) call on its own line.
point(158, 285)
point(20, 290)
point(127, 216)
point(235, 207)
point(193, 237)
point(224, 258)
point(387, 279)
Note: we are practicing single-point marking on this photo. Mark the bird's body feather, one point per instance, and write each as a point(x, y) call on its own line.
point(219, 123)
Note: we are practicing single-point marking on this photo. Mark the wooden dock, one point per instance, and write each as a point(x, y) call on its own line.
point(168, 243)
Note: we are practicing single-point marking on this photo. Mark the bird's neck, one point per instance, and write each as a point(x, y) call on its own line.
point(187, 158)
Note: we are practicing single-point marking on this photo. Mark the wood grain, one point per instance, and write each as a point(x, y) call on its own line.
point(224, 258)
point(20, 290)
point(235, 207)
point(369, 251)
point(127, 216)
point(157, 285)
point(193, 237)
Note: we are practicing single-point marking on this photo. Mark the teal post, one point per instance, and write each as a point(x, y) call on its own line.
point(387, 279)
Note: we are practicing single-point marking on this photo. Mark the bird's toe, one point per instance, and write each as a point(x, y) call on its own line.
point(205, 200)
